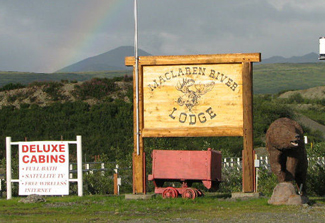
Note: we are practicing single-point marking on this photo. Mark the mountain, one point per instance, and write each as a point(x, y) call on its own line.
point(308, 58)
point(111, 60)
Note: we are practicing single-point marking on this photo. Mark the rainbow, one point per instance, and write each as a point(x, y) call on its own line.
point(99, 14)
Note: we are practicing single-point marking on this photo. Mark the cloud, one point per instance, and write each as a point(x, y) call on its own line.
point(44, 36)
point(299, 5)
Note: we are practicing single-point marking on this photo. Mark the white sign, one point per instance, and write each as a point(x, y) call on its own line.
point(44, 168)
point(306, 139)
point(119, 181)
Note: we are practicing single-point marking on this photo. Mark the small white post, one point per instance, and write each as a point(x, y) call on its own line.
point(87, 167)
point(102, 166)
point(266, 162)
point(8, 160)
point(116, 169)
point(79, 166)
point(71, 168)
point(306, 139)
point(119, 183)
point(90, 171)
point(257, 164)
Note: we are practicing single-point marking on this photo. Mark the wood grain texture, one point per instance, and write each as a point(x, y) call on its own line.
point(195, 59)
point(193, 97)
point(248, 157)
point(138, 161)
point(194, 132)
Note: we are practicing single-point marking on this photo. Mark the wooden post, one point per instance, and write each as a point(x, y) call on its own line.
point(139, 171)
point(138, 160)
point(248, 159)
point(115, 184)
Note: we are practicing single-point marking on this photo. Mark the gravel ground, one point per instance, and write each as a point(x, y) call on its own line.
point(306, 214)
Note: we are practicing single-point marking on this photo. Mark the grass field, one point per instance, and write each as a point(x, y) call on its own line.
point(211, 208)
point(25, 78)
point(268, 78)
point(273, 78)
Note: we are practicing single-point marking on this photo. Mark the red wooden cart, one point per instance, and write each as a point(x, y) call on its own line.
point(185, 167)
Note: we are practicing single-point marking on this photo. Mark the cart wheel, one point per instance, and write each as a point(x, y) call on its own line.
point(189, 193)
point(199, 193)
point(196, 191)
point(170, 192)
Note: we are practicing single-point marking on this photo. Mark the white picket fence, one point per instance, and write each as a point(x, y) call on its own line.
point(111, 168)
point(236, 162)
point(313, 162)
point(263, 162)
point(89, 167)
point(227, 163)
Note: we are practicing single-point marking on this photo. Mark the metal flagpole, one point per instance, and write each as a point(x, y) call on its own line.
point(136, 73)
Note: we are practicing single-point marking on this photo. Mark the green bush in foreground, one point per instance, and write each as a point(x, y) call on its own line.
point(316, 170)
point(231, 180)
point(266, 181)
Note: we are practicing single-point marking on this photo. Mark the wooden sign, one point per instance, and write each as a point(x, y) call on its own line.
point(194, 96)
point(192, 100)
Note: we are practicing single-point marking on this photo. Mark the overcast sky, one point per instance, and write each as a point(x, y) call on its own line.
point(46, 35)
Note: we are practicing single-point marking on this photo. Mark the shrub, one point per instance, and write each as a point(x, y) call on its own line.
point(266, 181)
point(96, 88)
point(12, 86)
point(12, 98)
point(318, 150)
point(14, 165)
point(295, 98)
point(37, 84)
point(316, 179)
point(231, 180)
point(53, 89)
point(316, 170)
point(97, 183)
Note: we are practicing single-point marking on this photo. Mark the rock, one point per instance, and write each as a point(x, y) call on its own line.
point(33, 198)
point(285, 193)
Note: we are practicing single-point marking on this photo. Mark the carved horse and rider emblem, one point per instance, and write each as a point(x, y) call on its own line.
point(192, 92)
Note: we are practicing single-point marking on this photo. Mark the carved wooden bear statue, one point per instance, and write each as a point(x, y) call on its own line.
point(288, 157)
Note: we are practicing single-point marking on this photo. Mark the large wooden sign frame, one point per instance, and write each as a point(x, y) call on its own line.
point(194, 96)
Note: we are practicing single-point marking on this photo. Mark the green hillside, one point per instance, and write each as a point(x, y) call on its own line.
point(26, 78)
point(274, 78)
point(268, 78)
point(101, 110)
